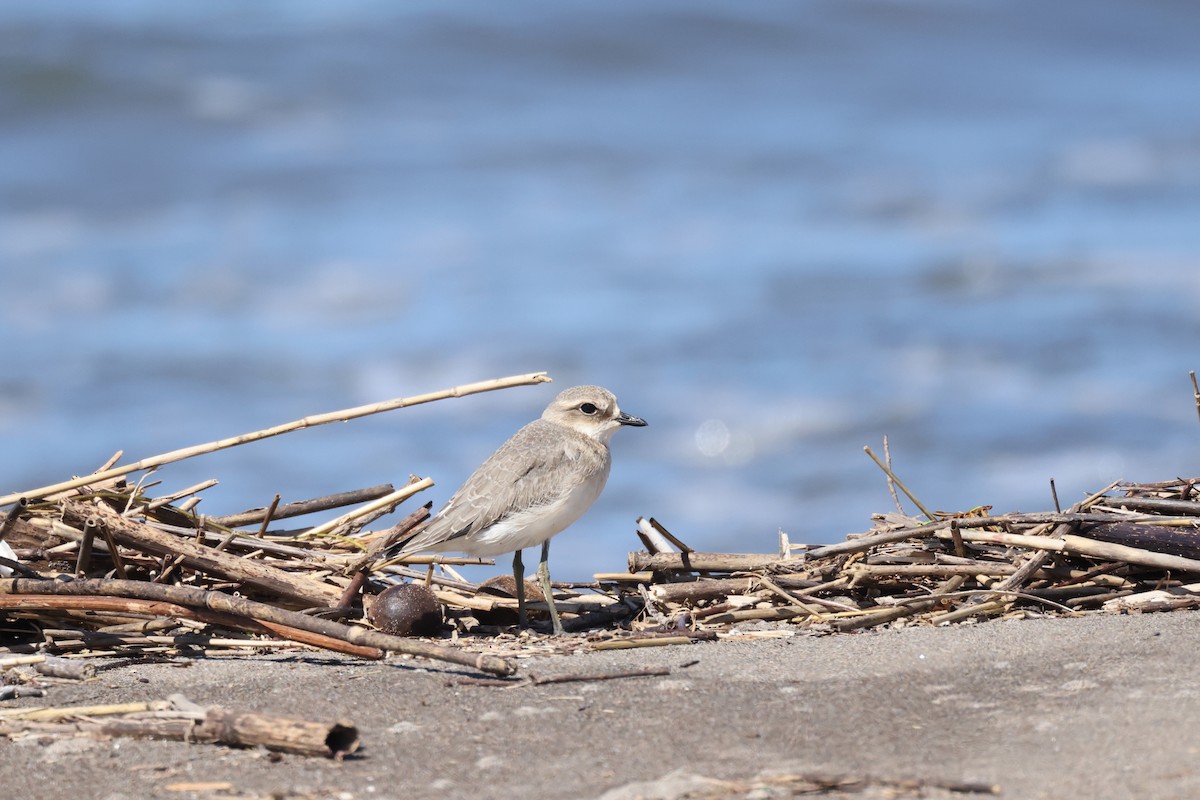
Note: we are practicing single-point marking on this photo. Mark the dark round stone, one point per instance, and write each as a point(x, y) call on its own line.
point(406, 609)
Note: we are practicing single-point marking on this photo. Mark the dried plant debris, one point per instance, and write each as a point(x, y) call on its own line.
point(113, 572)
point(102, 566)
point(97, 565)
point(1131, 547)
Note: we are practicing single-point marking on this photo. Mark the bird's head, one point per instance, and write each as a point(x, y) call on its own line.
point(591, 410)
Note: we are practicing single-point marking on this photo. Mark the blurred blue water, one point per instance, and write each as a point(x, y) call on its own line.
point(777, 231)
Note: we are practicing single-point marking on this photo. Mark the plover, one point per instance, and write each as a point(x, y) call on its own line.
point(533, 487)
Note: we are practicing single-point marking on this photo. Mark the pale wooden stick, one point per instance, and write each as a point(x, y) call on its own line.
point(112, 461)
point(159, 502)
point(905, 571)
point(623, 577)
point(626, 644)
point(705, 589)
point(967, 611)
point(44, 713)
point(1082, 546)
point(403, 493)
point(288, 427)
point(109, 464)
point(444, 560)
point(892, 477)
point(891, 484)
point(20, 661)
point(709, 562)
point(479, 603)
point(869, 540)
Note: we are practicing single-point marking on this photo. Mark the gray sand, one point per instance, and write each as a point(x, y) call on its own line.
point(1099, 707)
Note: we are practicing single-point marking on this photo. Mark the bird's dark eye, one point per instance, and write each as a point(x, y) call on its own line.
point(588, 409)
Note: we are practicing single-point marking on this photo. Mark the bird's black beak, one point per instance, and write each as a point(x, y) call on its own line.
point(626, 419)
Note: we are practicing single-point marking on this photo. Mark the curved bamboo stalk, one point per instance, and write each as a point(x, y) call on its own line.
point(287, 427)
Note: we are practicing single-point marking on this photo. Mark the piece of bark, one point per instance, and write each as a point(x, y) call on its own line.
point(1157, 599)
point(1159, 505)
point(285, 734)
point(216, 726)
point(65, 668)
point(1176, 541)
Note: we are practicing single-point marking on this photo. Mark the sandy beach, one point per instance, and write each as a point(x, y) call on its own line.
point(1101, 707)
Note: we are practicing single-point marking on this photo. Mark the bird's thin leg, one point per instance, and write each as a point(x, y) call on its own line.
point(543, 574)
point(519, 578)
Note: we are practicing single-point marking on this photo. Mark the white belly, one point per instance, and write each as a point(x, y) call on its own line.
point(529, 528)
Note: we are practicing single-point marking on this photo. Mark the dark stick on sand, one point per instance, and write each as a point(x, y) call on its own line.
point(223, 603)
point(301, 507)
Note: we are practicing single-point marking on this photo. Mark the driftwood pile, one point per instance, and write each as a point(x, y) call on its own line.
point(1132, 547)
point(149, 572)
point(102, 568)
point(1128, 547)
